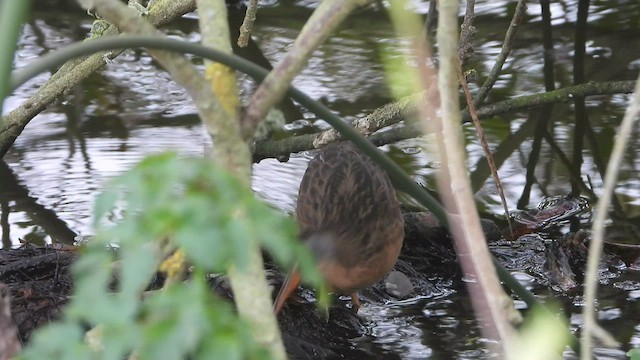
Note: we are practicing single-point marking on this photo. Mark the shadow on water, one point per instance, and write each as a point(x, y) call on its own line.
point(130, 109)
point(15, 197)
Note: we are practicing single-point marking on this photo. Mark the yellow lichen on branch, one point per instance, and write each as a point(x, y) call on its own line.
point(223, 82)
point(173, 266)
point(252, 293)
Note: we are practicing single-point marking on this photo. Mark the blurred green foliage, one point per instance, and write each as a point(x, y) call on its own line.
point(164, 203)
point(12, 14)
point(542, 335)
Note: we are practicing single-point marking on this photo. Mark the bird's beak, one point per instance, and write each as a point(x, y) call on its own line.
point(288, 287)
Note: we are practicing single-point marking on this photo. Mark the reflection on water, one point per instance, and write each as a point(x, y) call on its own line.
point(278, 182)
point(66, 172)
point(130, 109)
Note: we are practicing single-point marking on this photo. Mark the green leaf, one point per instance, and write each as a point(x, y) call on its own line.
point(93, 275)
point(118, 340)
point(542, 335)
point(104, 203)
point(205, 249)
point(48, 343)
point(170, 202)
point(139, 264)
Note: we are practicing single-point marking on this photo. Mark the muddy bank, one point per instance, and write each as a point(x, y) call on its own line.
point(40, 282)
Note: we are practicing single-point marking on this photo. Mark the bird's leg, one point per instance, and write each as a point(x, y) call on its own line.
point(288, 287)
point(355, 300)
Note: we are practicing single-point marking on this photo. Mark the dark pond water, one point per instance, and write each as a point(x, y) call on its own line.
point(130, 109)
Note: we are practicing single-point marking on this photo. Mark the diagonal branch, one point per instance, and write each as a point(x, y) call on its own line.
point(180, 68)
point(488, 297)
point(73, 72)
point(247, 23)
point(521, 8)
point(320, 25)
point(595, 247)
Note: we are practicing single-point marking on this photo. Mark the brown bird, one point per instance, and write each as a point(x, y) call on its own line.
point(349, 218)
point(10, 344)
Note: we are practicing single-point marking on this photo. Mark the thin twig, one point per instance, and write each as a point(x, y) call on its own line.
point(485, 147)
point(601, 212)
point(467, 32)
point(317, 29)
point(465, 50)
point(475, 258)
point(247, 23)
point(504, 53)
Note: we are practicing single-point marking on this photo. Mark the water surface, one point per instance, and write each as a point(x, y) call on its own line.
point(130, 109)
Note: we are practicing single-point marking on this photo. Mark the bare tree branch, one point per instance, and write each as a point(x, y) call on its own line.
point(317, 29)
point(406, 108)
point(247, 23)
